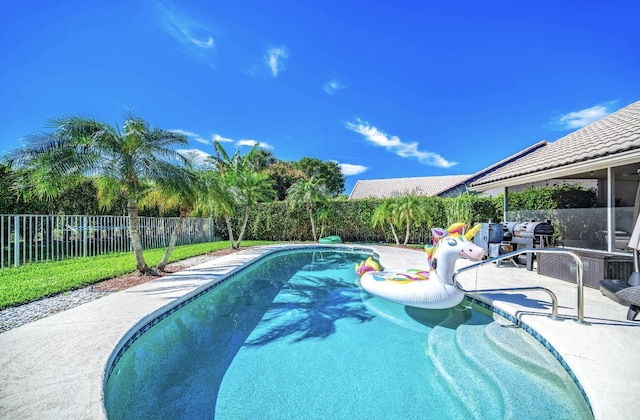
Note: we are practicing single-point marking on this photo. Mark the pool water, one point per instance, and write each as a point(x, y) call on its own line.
point(292, 336)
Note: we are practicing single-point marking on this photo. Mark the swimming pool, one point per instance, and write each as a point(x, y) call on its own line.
point(292, 336)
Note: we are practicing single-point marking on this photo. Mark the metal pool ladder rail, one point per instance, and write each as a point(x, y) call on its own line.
point(554, 299)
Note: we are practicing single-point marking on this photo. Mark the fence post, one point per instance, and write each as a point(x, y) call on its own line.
point(212, 229)
point(16, 241)
point(85, 229)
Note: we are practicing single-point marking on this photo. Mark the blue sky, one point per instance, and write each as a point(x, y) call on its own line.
point(386, 89)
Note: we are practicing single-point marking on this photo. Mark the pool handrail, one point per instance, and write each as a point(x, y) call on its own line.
point(554, 299)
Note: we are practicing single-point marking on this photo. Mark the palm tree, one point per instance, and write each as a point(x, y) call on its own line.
point(384, 213)
point(323, 215)
point(120, 161)
point(309, 193)
point(229, 168)
point(239, 185)
point(409, 209)
point(182, 192)
point(253, 188)
point(218, 199)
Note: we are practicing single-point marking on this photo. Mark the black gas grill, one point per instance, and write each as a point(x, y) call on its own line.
point(499, 238)
point(535, 230)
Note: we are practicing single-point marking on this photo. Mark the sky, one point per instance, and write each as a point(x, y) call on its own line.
point(386, 89)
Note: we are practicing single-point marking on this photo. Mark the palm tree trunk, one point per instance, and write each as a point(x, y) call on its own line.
point(174, 238)
point(395, 234)
point(313, 225)
point(244, 227)
point(136, 242)
point(406, 235)
point(229, 229)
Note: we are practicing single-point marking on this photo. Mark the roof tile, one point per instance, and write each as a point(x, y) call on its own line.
point(617, 132)
point(395, 187)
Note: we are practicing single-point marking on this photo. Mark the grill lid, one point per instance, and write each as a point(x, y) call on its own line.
point(530, 229)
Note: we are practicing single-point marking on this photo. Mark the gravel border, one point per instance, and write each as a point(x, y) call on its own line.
point(29, 312)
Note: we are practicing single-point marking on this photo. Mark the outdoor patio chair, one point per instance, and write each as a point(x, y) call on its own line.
point(625, 293)
point(632, 296)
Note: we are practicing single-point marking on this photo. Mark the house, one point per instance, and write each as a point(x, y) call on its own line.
point(441, 186)
point(397, 187)
point(604, 154)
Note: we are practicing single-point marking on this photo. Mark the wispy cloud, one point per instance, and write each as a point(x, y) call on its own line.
point(275, 59)
point(578, 119)
point(349, 169)
point(333, 86)
point(183, 132)
point(202, 43)
point(251, 143)
point(191, 134)
point(220, 139)
point(395, 145)
point(195, 36)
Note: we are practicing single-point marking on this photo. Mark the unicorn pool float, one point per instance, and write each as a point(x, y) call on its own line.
point(431, 288)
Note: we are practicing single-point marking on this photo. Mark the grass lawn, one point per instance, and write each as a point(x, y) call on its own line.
point(36, 281)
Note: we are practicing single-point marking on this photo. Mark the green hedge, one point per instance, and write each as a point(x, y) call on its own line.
point(351, 219)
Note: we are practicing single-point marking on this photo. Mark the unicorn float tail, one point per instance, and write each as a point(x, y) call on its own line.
point(370, 264)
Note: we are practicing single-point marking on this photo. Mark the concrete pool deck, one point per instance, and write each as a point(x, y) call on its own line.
point(54, 367)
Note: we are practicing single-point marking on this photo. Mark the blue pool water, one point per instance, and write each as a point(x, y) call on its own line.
point(292, 336)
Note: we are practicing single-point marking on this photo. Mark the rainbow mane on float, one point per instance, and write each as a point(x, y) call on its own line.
point(438, 233)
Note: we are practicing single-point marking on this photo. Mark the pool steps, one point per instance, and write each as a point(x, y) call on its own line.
point(470, 343)
point(458, 374)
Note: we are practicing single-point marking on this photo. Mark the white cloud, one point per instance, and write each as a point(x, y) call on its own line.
point(395, 145)
point(195, 136)
point(275, 59)
point(251, 143)
point(333, 86)
point(349, 169)
point(196, 155)
point(578, 119)
point(198, 42)
point(184, 132)
point(195, 36)
point(219, 138)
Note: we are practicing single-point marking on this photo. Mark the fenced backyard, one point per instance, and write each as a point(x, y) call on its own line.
point(36, 238)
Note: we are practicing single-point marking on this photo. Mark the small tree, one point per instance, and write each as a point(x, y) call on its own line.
point(182, 192)
point(253, 188)
point(384, 214)
point(407, 210)
point(328, 173)
point(232, 170)
point(309, 193)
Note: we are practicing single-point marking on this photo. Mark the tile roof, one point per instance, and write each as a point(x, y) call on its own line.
point(395, 187)
point(614, 134)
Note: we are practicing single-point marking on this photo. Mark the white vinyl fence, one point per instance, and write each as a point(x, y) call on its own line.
point(35, 238)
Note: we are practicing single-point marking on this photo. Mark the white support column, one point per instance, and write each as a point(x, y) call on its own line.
point(611, 225)
point(505, 206)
